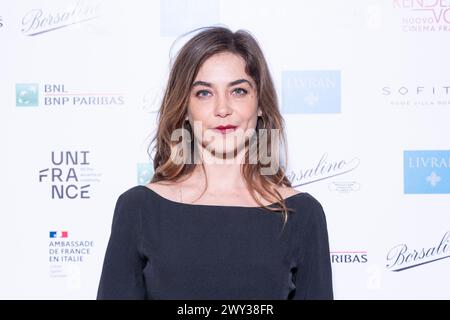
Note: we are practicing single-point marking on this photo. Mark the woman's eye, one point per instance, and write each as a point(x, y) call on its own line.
point(202, 93)
point(240, 91)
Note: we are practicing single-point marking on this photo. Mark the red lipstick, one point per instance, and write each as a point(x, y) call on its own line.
point(226, 129)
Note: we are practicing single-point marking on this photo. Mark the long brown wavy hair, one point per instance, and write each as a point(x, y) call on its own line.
point(173, 110)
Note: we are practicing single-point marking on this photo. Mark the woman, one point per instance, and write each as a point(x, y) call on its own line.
point(214, 223)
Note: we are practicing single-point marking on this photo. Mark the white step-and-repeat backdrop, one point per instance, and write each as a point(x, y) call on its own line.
point(364, 89)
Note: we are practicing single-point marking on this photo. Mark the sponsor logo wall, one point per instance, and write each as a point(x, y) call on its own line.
point(362, 87)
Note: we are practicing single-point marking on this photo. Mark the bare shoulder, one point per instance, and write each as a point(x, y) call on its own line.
point(165, 189)
point(287, 192)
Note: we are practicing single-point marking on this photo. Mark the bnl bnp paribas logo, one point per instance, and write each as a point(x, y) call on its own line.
point(311, 91)
point(70, 175)
point(27, 95)
point(426, 171)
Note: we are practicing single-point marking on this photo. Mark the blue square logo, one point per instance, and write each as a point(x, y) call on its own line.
point(180, 16)
point(426, 172)
point(315, 91)
point(144, 173)
point(27, 95)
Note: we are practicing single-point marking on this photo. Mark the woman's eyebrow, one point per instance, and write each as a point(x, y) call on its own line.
point(233, 83)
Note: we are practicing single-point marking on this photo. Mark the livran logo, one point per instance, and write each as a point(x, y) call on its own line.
point(426, 172)
point(27, 95)
point(311, 91)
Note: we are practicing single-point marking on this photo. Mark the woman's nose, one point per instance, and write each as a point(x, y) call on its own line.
point(222, 107)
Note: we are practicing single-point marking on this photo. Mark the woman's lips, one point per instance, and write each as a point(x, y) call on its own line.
point(225, 129)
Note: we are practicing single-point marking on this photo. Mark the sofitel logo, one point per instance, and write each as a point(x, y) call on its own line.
point(421, 96)
point(401, 258)
point(323, 169)
point(424, 15)
point(70, 175)
point(38, 21)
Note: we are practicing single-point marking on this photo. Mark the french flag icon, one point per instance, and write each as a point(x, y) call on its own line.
point(59, 234)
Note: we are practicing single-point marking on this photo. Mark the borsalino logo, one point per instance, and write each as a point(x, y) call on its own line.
point(323, 169)
point(38, 21)
point(426, 172)
point(401, 258)
point(313, 91)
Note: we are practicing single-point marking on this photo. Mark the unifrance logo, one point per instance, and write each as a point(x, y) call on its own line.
point(144, 173)
point(426, 172)
point(70, 175)
point(58, 95)
point(423, 15)
point(311, 91)
point(27, 95)
point(40, 20)
point(401, 257)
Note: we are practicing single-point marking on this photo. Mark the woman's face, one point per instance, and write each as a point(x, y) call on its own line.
point(223, 94)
